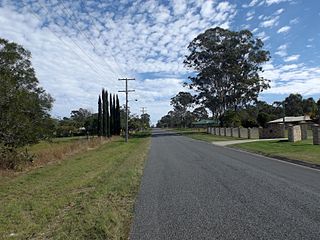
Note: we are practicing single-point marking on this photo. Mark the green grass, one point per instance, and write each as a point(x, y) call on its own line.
point(53, 143)
point(201, 134)
point(302, 150)
point(87, 196)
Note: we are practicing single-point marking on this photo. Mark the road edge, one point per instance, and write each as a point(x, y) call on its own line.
point(295, 162)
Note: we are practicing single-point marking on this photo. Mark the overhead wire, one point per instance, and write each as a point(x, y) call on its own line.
point(66, 44)
point(103, 38)
point(70, 15)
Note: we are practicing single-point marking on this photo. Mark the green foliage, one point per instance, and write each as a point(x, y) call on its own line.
point(200, 113)
point(99, 117)
point(104, 96)
point(231, 119)
point(293, 105)
point(263, 118)
point(24, 106)
point(228, 65)
point(181, 103)
point(310, 107)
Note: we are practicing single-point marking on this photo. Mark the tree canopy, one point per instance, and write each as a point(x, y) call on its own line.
point(24, 115)
point(227, 66)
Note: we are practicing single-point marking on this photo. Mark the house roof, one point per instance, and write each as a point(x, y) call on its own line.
point(205, 122)
point(292, 119)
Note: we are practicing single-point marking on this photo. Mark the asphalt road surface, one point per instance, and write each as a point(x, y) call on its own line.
point(195, 190)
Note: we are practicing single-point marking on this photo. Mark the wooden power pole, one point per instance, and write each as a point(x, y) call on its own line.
point(126, 91)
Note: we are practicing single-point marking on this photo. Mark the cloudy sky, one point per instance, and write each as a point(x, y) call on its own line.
point(80, 46)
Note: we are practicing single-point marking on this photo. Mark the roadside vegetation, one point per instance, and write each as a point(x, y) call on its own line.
point(299, 151)
point(227, 80)
point(87, 196)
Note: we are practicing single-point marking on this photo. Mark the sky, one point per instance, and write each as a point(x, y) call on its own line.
point(80, 46)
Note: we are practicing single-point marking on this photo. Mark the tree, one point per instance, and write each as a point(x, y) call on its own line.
point(293, 105)
point(79, 117)
point(99, 117)
point(309, 107)
point(227, 66)
point(145, 120)
point(108, 116)
point(200, 113)
point(104, 113)
point(111, 116)
point(114, 115)
point(118, 118)
point(24, 105)
point(181, 102)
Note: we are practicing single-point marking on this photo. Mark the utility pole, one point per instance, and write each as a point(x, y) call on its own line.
point(126, 91)
point(143, 110)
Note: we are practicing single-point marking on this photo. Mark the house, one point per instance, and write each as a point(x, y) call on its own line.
point(205, 123)
point(292, 120)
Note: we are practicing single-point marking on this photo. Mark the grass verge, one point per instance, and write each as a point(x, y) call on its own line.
point(201, 134)
point(303, 151)
point(47, 152)
point(88, 196)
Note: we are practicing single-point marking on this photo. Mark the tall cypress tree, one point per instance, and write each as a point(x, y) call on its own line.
point(111, 116)
point(104, 113)
point(99, 117)
point(114, 115)
point(108, 116)
point(118, 115)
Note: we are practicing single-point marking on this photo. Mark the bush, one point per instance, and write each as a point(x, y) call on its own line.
point(11, 158)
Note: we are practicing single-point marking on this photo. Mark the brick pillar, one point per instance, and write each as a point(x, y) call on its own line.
point(294, 133)
point(316, 134)
point(304, 130)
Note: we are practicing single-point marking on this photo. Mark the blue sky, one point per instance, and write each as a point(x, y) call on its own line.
point(78, 47)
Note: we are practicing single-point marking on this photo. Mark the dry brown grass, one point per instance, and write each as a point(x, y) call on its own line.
point(46, 153)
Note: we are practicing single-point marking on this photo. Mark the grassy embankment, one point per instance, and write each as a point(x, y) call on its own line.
point(89, 195)
point(201, 134)
point(300, 151)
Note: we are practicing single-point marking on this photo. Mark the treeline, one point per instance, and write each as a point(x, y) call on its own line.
point(252, 115)
point(226, 79)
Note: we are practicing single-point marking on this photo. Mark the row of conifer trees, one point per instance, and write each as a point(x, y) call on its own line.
point(108, 114)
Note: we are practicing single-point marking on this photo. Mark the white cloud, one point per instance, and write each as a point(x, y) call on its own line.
point(263, 36)
point(270, 2)
point(179, 6)
point(279, 11)
point(292, 58)
point(298, 78)
point(207, 9)
point(284, 29)
point(251, 4)
point(271, 22)
point(294, 21)
point(144, 39)
point(282, 50)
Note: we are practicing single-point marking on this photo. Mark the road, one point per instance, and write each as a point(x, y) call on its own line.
point(195, 190)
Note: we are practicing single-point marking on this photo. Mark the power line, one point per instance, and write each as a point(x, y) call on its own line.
point(70, 15)
point(143, 110)
point(59, 38)
point(103, 38)
point(126, 91)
